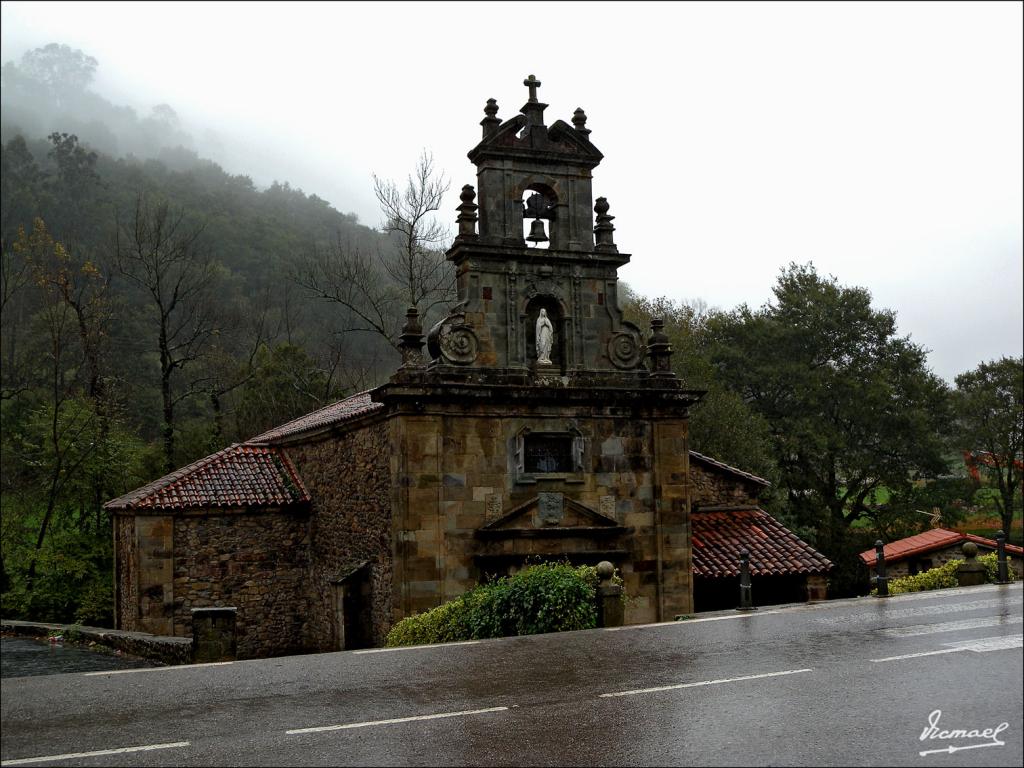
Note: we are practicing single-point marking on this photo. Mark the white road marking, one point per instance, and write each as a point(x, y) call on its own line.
point(916, 655)
point(982, 645)
point(691, 621)
point(704, 682)
point(417, 647)
point(75, 755)
point(395, 720)
point(952, 626)
point(884, 612)
point(986, 644)
point(158, 669)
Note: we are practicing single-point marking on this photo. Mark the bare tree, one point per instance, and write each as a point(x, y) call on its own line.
point(375, 288)
point(162, 253)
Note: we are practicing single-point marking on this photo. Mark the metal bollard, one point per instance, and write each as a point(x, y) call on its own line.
point(746, 602)
point(1002, 567)
point(880, 579)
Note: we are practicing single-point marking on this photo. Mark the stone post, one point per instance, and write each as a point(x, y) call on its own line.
point(881, 582)
point(746, 600)
point(1002, 567)
point(610, 611)
point(213, 634)
point(970, 573)
point(817, 588)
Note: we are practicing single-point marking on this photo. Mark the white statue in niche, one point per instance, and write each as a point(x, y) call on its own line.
point(545, 335)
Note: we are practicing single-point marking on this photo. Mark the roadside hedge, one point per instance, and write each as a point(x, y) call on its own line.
point(545, 597)
point(944, 576)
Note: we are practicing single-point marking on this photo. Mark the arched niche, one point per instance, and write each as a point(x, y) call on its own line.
point(556, 314)
point(554, 212)
point(540, 203)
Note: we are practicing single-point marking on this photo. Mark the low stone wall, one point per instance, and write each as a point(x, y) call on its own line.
point(169, 650)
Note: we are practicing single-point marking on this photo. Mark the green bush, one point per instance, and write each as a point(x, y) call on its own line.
point(944, 576)
point(546, 597)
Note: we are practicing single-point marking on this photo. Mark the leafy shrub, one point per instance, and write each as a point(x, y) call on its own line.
point(944, 576)
point(546, 597)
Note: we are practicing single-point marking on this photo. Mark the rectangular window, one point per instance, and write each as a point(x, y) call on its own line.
point(545, 453)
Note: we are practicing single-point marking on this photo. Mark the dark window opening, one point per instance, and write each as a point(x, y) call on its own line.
point(547, 453)
point(487, 293)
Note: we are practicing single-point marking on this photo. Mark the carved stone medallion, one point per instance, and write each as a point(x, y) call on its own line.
point(550, 507)
point(624, 350)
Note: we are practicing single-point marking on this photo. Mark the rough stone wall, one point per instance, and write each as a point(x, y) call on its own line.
point(348, 478)
point(715, 487)
point(455, 472)
point(257, 561)
point(126, 573)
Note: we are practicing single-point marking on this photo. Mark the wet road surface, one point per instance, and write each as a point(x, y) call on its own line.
point(24, 656)
point(841, 683)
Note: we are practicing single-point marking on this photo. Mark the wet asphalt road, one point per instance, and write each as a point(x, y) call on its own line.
point(23, 656)
point(841, 683)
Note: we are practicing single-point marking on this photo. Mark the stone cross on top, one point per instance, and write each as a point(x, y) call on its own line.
point(533, 84)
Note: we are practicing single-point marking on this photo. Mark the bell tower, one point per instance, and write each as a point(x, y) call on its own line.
point(537, 264)
point(539, 423)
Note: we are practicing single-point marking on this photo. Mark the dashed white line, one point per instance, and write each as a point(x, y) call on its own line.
point(394, 720)
point(158, 669)
point(417, 647)
point(704, 682)
point(97, 753)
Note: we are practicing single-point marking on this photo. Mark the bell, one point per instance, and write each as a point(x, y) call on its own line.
point(537, 233)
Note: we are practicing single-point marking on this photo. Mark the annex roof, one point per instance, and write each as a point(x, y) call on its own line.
point(929, 541)
point(240, 475)
point(335, 413)
point(700, 457)
point(720, 534)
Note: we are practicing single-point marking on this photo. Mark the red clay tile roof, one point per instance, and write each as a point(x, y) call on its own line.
point(238, 476)
point(727, 468)
point(929, 541)
point(335, 413)
point(719, 535)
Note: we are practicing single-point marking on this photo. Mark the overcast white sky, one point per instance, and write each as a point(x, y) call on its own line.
point(883, 141)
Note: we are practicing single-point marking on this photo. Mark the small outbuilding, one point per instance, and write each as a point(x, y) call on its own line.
point(933, 548)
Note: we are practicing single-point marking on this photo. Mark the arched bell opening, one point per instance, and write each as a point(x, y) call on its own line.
point(535, 328)
point(539, 204)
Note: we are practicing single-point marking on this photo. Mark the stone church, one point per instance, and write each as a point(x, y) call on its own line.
point(537, 423)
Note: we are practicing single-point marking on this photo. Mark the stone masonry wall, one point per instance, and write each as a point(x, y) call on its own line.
point(256, 561)
point(348, 477)
point(715, 487)
point(126, 588)
point(154, 548)
point(455, 472)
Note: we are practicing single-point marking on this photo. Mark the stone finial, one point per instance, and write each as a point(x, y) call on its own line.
point(603, 230)
point(659, 350)
point(970, 572)
point(491, 122)
point(411, 341)
point(579, 121)
point(467, 217)
point(610, 610)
